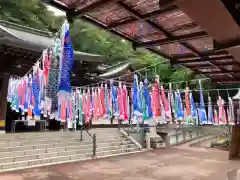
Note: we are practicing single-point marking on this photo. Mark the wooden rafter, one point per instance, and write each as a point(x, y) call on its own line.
point(214, 64)
point(227, 45)
point(220, 72)
point(142, 17)
point(230, 82)
point(195, 41)
point(205, 54)
point(173, 39)
point(90, 20)
point(137, 15)
point(222, 65)
point(91, 7)
point(203, 59)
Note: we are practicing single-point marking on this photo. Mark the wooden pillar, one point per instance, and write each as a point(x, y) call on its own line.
point(3, 100)
point(234, 148)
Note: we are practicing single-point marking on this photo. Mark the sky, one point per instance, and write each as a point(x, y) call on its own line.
point(56, 11)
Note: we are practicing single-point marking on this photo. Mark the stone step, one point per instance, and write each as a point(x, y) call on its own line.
point(60, 159)
point(48, 140)
point(116, 151)
point(63, 148)
point(53, 160)
point(49, 136)
point(37, 141)
point(55, 145)
point(20, 151)
point(56, 133)
point(68, 152)
point(57, 140)
point(77, 136)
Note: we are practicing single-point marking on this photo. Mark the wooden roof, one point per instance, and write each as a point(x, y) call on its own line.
point(161, 26)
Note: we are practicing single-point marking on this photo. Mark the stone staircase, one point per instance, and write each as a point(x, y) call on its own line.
point(26, 150)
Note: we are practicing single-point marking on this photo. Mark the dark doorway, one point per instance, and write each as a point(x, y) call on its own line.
point(10, 116)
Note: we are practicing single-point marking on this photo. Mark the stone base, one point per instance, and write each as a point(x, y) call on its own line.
point(157, 145)
point(156, 142)
point(2, 132)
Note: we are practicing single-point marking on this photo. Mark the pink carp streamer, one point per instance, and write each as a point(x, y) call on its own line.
point(165, 104)
point(125, 103)
point(157, 98)
point(87, 106)
point(153, 101)
point(221, 111)
point(120, 101)
point(188, 108)
point(46, 66)
point(102, 104)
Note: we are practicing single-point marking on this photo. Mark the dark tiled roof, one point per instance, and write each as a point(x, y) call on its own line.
point(22, 47)
point(116, 70)
point(35, 40)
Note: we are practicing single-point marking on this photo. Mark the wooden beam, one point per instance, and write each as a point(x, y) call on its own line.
point(3, 100)
point(211, 62)
point(2, 57)
point(197, 66)
point(231, 82)
point(202, 59)
point(227, 45)
point(166, 3)
point(143, 17)
point(173, 39)
point(93, 6)
point(90, 20)
point(159, 53)
point(137, 15)
point(94, 22)
point(203, 55)
point(56, 5)
point(220, 72)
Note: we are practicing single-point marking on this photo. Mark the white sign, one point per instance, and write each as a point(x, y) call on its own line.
point(31, 122)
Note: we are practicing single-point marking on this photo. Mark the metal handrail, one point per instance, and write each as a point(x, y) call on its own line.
point(88, 132)
point(128, 128)
point(94, 140)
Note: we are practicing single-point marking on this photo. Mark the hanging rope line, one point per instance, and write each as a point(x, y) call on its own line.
point(139, 101)
point(137, 71)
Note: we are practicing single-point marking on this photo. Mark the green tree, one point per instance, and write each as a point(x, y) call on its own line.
point(30, 13)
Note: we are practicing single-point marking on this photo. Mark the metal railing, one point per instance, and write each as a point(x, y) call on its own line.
point(130, 127)
point(171, 132)
point(94, 140)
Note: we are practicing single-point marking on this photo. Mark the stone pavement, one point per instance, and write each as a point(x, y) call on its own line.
point(175, 163)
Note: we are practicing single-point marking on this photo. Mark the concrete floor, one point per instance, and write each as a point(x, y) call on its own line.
point(177, 163)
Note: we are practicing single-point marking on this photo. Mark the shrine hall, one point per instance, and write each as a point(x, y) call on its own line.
point(21, 47)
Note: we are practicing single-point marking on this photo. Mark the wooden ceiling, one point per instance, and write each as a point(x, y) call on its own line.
point(168, 28)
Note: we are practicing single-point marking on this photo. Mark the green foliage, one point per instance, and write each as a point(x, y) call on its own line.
point(88, 38)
